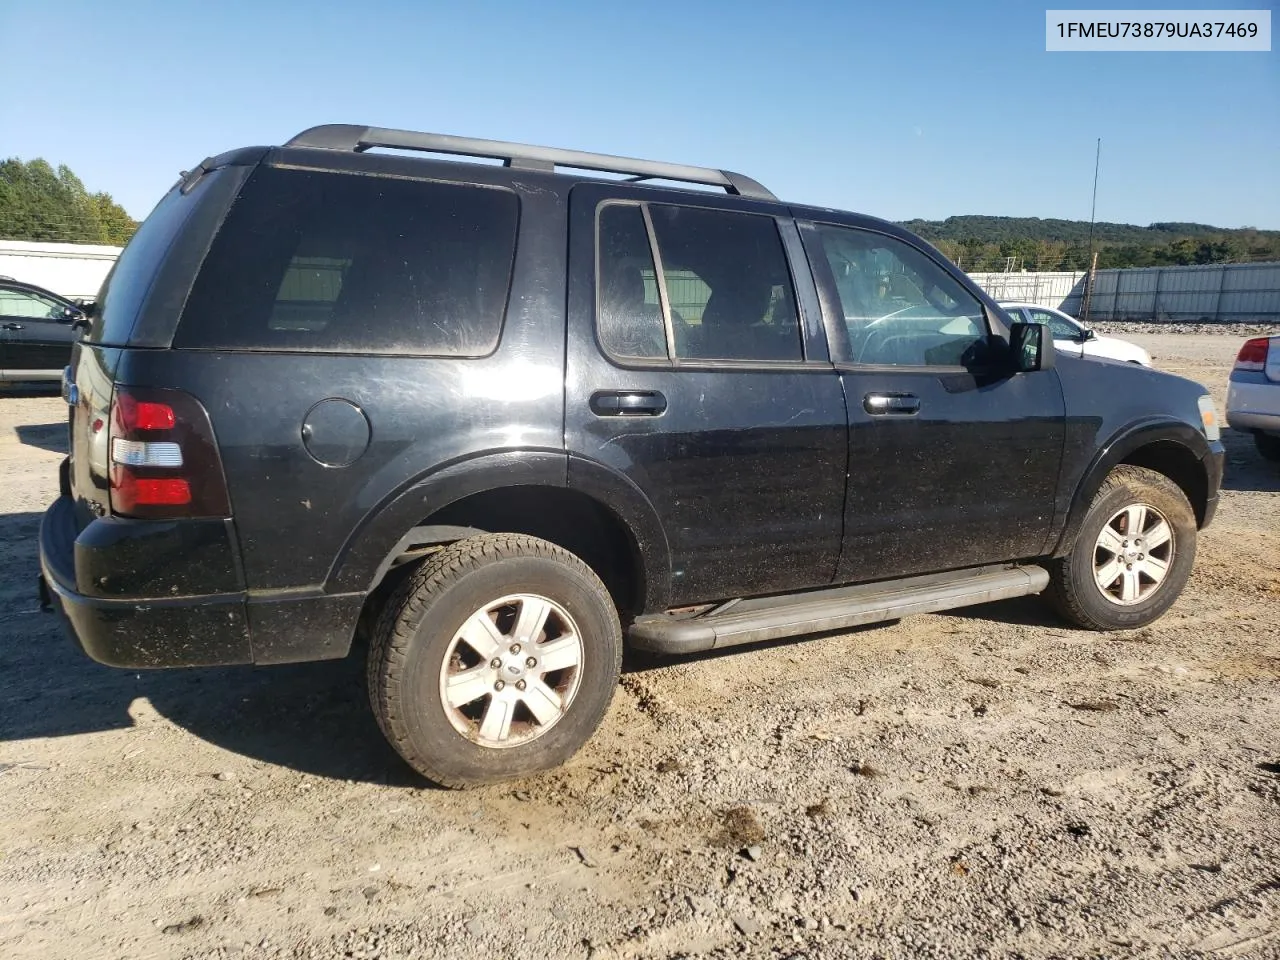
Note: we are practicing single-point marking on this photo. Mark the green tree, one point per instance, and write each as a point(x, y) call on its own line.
point(115, 226)
point(39, 203)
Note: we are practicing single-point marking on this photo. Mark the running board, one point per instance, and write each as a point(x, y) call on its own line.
point(769, 618)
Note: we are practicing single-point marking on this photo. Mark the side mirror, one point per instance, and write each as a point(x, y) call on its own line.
point(79, 318)
point(71, 314)
point(1090, 333)
point(1031, 346)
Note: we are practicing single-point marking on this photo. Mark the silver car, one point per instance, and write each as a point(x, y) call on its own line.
point(1253, 395)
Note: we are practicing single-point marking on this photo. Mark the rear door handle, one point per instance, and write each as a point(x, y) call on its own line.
point(890, 404)
point(628, 403)
point(12, 326)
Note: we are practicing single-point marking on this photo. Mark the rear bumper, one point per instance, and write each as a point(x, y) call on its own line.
point(1253, 402)
point(144, 594)
point(201, 630)
point(1249, 422)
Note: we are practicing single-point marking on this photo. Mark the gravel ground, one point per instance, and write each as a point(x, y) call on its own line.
point(983, 783)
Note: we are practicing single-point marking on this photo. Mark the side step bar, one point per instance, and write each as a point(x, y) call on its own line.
point(769, 618)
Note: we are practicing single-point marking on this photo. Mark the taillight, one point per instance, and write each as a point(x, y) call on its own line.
point(144, 414)
point(164, 460)
point(1253, 355)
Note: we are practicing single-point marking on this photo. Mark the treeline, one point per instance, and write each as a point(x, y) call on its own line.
point(40, 203)
point(979, 243)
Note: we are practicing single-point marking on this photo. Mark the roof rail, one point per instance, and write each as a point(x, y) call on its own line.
point(345, 136)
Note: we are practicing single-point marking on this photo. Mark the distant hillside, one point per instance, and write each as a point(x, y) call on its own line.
point(985, 243)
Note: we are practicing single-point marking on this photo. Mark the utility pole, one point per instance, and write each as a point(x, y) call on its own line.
point(1093, 210)
point(1093, 256)
point(1088, 290)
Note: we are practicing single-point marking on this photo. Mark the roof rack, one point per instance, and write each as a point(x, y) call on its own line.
point(345, 136)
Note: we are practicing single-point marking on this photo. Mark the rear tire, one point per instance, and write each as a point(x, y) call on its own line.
point(1268, 445)
point(497, 658)
point(1132, 556)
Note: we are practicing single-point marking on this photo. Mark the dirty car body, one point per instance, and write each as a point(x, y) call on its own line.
point(747, 419)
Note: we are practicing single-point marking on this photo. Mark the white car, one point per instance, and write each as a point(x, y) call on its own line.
point(1072, 337)
point(1253, 395)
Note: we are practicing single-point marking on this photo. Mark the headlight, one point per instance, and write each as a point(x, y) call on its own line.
point(1209, 418)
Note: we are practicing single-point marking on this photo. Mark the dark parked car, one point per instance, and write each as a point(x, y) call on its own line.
point(37, 329)
point(496, 419)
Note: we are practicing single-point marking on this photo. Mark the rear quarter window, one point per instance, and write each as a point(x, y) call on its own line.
point(127, 285)
point(343, 263)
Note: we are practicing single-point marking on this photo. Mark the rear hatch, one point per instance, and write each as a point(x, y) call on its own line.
point(137, 308)
point(333, 320)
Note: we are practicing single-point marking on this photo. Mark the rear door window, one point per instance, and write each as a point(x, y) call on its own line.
point(728, 285)
point(719, 290)
point(629, 308)
point(340, 263)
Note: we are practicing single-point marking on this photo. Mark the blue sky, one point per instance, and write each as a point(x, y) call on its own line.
point(927, 109)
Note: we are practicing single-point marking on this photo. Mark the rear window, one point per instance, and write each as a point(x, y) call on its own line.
point(126, 286)
point(343, 263)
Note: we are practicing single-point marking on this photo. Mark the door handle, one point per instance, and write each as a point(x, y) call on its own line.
point(12, 326)
point(890, 404)
point(628, 403)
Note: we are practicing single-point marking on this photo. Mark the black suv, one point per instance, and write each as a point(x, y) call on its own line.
point(496, 418)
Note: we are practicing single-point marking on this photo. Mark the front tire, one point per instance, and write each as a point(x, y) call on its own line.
point(497, 658)
point(1132, 556)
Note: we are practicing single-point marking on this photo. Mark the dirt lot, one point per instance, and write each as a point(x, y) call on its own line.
point(985, 783)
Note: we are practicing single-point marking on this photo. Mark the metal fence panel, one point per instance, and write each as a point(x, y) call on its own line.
point(1246, 293)
point(1233, 292)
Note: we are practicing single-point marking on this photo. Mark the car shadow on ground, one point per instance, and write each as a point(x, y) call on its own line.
point(1030, 611)
point(46, 436)
point(1245, 468)
point(40, 388)
point(313, 717)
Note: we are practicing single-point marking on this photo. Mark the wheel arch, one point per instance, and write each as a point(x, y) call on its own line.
point(1170, 447)
point(578, 504)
